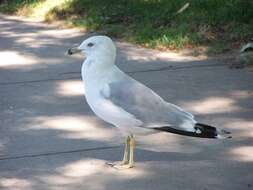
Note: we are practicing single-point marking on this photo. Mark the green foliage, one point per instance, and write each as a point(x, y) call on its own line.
point(155, 23)
point(11, 6)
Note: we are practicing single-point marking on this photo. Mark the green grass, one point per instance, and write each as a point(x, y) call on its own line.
point(219, 24)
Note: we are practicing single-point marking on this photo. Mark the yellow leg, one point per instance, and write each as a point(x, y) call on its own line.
point(130, 143)
point(131, 157)
point(125, 157)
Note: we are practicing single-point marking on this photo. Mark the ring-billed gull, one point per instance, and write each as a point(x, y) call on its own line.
point(128, 104)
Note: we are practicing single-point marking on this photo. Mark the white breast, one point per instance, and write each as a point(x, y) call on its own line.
point(106, 110)
point(95, 81)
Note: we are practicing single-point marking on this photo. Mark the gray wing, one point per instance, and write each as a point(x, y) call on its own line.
point(148, 107)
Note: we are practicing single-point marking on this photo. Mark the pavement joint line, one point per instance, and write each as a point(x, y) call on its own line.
point(55, 153)
point(173, 68)
point(167, 68)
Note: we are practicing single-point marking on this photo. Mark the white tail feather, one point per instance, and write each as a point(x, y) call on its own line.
point(223, 134)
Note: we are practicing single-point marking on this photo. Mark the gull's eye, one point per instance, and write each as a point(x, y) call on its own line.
point(90, 44)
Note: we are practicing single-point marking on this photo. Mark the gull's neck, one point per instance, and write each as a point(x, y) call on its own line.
point(98, 65)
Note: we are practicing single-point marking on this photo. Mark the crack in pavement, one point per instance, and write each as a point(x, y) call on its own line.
point(173, 68)
point(55, 153)
point(167, 68)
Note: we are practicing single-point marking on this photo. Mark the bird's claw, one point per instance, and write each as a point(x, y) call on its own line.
point(120, 165)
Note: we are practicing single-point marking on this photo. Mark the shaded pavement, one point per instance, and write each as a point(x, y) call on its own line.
point(50, 139)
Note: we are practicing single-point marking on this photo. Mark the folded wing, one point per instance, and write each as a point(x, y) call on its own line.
point(146, 106)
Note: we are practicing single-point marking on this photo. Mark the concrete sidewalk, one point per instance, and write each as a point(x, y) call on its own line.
point(50, 139)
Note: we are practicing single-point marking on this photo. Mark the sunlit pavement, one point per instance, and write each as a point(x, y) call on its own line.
point(50, 139)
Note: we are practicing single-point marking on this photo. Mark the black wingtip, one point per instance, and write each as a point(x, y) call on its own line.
point(205, 131)
point(203, 134)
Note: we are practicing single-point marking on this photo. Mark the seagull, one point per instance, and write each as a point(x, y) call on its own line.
point(128, 104)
